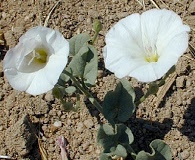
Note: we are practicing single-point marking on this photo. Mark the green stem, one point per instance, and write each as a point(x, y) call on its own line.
point(131, 151)
point(141, 99)
point(153, 88)
point(86, 92)
point(94, 37)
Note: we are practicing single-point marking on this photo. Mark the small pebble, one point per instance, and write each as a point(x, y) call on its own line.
point(51, 140)
point(1, 128)
point(179, 101)
point(79, 127)
point(81, 18)
point(185, 154)
point(63, 116)
point(4, 15)
point(192, 7)
point(100, 73)
point(85, 145)
point(44, 127)
point(59, 113)
point(188, 101)
point(49, 96)
point(68, 122)
point(57, 124)
point(91, 148)
point(180, 82)
point(51, 148)
point(88, 123)
point(188, 82)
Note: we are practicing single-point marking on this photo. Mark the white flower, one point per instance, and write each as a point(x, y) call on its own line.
point(145, 46)
point(36, 62)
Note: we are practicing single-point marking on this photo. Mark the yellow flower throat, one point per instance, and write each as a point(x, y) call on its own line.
point(39, 56)
point(152, 58)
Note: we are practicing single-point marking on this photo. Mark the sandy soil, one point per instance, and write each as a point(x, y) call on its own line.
point(173, 120)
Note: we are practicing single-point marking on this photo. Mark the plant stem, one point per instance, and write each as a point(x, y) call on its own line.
point(152, 90)
point(141, 99)
point(159, 84)
point(86, 92)
point(94, 37)
point(131, 151)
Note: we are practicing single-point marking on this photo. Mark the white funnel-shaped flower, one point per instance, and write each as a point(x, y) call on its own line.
point(145, 46)
point(36, 62)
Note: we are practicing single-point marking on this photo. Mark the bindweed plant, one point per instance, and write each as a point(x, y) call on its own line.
point(145, 47)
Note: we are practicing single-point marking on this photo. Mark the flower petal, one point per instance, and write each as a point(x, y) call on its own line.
point(159, 27)
point(135, 38)
point(19, 81)
point(36, 79)
point(124, 41)
point(48, 76)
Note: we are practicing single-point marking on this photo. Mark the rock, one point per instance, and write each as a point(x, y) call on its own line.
point(93, 13)
point(57, 124)
point(192, 7)
point(10, 39)
point(181, 67)
point(81, 18)
point(185, 154)
point(180, 82)
point(51, 147)
point(3, 15)
point(79, 127)
point(20, 137)
point(88, 123)
point(40, 109)
point(122, 14)
point(85, 145)
point(190, 20)
point(100, 73)
point(188, 82)
point(1, 128)
point(49, 96)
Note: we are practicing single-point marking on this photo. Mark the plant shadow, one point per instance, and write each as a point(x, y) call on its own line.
point(188, 128)
point(3, 50)
point(92, 110)
point(145, 131)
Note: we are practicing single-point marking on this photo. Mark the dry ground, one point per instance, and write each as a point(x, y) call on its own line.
point(173, 120)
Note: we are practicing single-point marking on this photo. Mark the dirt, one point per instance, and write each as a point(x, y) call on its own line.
point(173, 120)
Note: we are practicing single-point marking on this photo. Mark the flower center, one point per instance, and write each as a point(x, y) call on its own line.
point(152, 58)
point(151, 54)
point(34, 61)
point(39, 56)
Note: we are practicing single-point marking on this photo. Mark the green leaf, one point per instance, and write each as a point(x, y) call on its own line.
point(109, 130)
point(63, 79)
point(153, 89)
point(104, 156)
point(119, 105)
point(91, 68)
point(77, 65)
point(110, 137)
point(125, 134)
point(68, 106)
point(97, 26)
point(84, 65)
point(160, 151)
point(77, 42)
point(70, 90)
point(78, 102)
point(58, 91)
point(106, 137)
point(118, 151)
